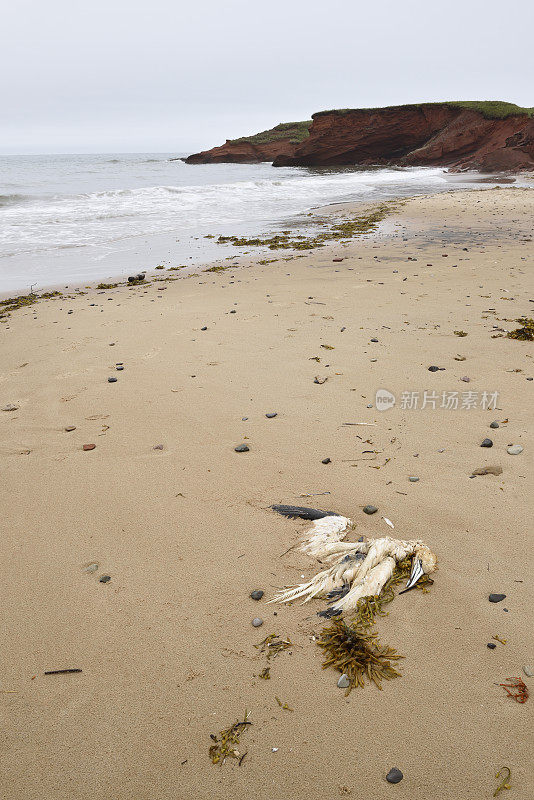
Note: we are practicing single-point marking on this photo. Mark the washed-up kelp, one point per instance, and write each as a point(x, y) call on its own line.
point(225, 744)
point(516, 689)
point(353, 649)
point(525, 332)
point(273, 645)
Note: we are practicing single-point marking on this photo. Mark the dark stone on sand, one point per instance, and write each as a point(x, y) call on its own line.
point(374, 340)
point(257, 594)
point(494, 424)
point(112, 380)
point(496, 598)
point(242, 448)
point(204, 328)
point(233, 311)
point(88, 447)
point(394, 775)
point(491, 646)
point(433, 368)
point(105, 578)
point(119, 367)
point(487, 443)
point(326, 461)
point(272, 414)
point(158, 447)
point(302, 512)
point(70, 428)
point(370, 509)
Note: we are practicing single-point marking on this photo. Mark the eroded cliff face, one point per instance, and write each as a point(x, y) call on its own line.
point(424, 135)
point(236, 152)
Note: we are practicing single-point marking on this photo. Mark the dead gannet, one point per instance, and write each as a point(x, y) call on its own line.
point(358, 569)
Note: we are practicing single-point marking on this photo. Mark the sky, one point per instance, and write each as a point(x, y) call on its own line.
point(171, 76)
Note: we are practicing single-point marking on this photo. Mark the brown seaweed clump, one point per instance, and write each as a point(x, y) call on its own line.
point(225, 744)
point(525, 332)
point(353, 650)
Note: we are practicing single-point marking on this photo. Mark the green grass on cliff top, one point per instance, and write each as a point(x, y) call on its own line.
point(491, 109)
point(294, 131)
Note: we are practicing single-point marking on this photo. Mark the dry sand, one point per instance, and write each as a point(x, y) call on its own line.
point(166, 647)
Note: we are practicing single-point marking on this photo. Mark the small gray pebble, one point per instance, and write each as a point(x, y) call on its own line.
point(487, 443)
point(370, 509)
point(465, 379)
point(204, 328)
point(112, 380)
point(244, 419)
point(343, 682)
point(494, 424)
point(433, 368)
point(242, 448)
point(374, 340)
point(105, 578)
point(9, 407)
point(257, 594)
point(514, 449)
point(370, 405)
point(413, 479)
point(257, 622)
point(326, 461)
point(272, 414)
point(528, 671)
point(394, 775)
point(496, 598)
point(158, 447)
point(491, 646)
point(119, 367)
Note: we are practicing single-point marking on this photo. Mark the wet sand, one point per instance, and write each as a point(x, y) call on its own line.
point(166, 647)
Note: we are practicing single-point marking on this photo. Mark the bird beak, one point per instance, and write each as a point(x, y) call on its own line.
point(416, 573)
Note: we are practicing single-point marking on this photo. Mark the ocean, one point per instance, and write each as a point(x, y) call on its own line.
point(69, 219)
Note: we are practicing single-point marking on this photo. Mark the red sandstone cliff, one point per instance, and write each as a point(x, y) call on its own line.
point(424, 135)
point(451, 135)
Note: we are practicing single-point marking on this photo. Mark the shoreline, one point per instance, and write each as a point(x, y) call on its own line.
point(181, 522)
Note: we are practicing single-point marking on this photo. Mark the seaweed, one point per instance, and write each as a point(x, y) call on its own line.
point(273, 645)
point(224, 743)
point(525, 332)
point(356, 652)
point(504, 783)
point(23, 300)
point(519, 689)
point(107, 285)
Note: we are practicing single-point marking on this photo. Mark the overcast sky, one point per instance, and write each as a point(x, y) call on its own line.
point(171, 76)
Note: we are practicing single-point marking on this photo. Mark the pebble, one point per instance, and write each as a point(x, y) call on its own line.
point(326, 461)
point(257, 622)
point(374, 340)
point(496, 598)
point(158, 447)
point(9, 407)
point(491, 646)
point(487, 443)
point(257, 594)
point(514, 449)
point(204, 328)
point(413, 479)
point(70, 428)
point(494, 424)
point(528, 671)
point(370, 509)
point(394, 775)
point(242, 448)
point(488, 470)
point(343, 682)
point(112, 380)
point(433, 368)
point(88, 446)
point(119, 367)
point(272, 414)
point(105, 578)
point(465, 379)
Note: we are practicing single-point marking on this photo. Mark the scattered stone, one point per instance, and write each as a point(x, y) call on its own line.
point(119, 367)
point(370, 509)
point(88, 446)
point(242, 448)
point(343, 682)
point(257, 594)
point(70, 428)
point(319, 380)
point(494, 424)
point(105, 578)
point(489, 470)
point(394, 775)
point(272, 414)
point(487, 443)
point(514, 449)
point(337, 259)
point(465, 379)
point(112, 380)
point(158, 447)
point(326, 461)
point(204, 328)
point(413, 479)
point(496, 598)
point(491, 645)
point(257, 622)
point(9, 407)
point(433, 368)
point(374, 340)
point(528, 671)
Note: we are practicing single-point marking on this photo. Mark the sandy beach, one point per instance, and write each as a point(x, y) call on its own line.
point(182, 525)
